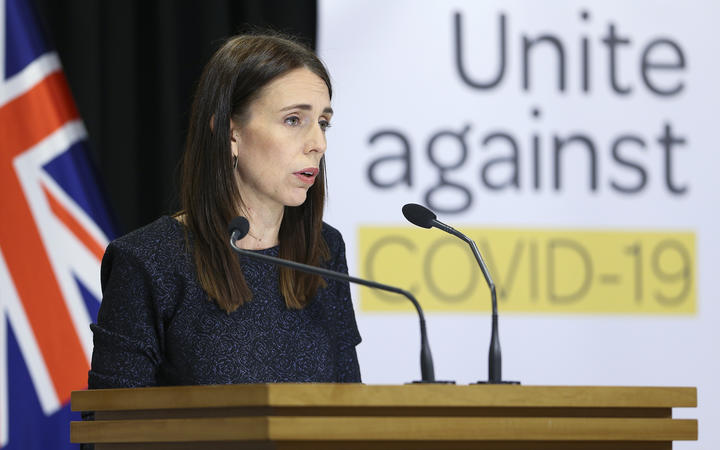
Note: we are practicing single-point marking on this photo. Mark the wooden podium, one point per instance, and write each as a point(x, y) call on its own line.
point(356, 416)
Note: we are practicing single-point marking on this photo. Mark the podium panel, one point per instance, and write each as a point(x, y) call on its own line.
point(356, 416)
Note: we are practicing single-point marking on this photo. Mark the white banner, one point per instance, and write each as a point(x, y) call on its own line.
point(575, 143)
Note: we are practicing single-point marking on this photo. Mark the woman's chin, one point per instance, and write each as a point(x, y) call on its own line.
point(296, 200)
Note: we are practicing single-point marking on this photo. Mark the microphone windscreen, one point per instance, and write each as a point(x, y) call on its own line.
point(419, 215)
point(239, 225)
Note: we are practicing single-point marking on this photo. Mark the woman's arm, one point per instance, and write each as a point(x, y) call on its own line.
point(126, 350)
point(347, 334)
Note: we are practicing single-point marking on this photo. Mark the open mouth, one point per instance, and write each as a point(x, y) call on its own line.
point(307, 174)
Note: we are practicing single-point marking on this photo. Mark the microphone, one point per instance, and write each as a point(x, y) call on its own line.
point(423, 217)
point(239, 227)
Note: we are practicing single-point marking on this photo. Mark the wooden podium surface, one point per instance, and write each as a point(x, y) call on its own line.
point(356, 416)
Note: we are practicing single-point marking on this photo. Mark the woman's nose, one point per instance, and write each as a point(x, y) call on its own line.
point(316, 141)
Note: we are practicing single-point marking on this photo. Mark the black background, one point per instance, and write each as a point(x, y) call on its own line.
point(132, 66)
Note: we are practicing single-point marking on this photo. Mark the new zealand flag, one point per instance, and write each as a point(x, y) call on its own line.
point(54, 226)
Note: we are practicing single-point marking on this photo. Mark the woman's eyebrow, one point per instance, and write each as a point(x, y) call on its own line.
point(306, 107)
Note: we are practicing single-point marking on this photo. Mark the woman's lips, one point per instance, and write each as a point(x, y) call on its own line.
point(307, 175)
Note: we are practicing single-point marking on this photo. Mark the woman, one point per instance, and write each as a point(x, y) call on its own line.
point(179, 307)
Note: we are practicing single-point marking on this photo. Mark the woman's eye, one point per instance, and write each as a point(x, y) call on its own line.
point(324, 125)
point(292, 121)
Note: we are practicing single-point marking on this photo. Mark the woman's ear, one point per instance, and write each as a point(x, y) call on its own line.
point(234, 143)
point(234, 132)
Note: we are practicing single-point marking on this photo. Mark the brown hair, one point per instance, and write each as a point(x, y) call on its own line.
point(232, 79)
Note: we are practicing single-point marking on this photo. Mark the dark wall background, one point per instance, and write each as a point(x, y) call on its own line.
point(132, 66)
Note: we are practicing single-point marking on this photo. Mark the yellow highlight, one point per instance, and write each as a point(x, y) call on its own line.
point(549, 271)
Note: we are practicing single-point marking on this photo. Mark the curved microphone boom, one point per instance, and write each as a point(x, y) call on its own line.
point(239, 227)
point(423, 217)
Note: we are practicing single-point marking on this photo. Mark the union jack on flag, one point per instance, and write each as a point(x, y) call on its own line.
point(54, 226)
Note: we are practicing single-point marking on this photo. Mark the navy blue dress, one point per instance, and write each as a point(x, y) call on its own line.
point(156, 325)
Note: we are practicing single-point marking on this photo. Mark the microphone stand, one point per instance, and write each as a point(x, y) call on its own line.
point(494, 355)
point(423, 217)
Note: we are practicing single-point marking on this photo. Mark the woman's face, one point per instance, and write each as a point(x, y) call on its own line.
point(280, 143)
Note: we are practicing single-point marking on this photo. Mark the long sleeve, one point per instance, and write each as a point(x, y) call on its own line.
point(126, 345)
point(347, 334)
point(348, 367)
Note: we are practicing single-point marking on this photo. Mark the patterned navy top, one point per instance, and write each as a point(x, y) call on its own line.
point(156, 325)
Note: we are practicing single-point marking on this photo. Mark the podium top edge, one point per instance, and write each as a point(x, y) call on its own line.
point(360, 395)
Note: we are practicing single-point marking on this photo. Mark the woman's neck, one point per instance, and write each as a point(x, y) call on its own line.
point(264, 228)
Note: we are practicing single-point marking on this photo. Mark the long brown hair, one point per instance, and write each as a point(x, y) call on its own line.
point(231, 81)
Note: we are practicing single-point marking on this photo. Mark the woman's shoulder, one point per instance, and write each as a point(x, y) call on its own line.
point(332, 237)
point(160, 232)
point(155, 242)
point(336, 246)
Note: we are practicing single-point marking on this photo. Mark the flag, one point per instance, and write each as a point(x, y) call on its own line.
point(54, 226)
